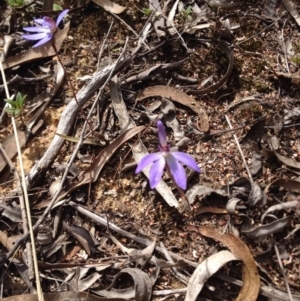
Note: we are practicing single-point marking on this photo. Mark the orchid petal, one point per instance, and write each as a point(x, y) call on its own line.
point(36, 29)
point(40, 21)
point(156, 172)
point(48, 22)
point(61, 16)
point(43, 41)
point(147, 160)
point(177, 171)
point(186, 159)
point(162, 136)
point(33, 37)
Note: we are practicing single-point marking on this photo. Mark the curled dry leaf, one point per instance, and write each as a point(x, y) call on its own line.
point(204, 271)
point(140, 257)
point(261, 232)
point(287, 205)
point(213, 88)
point(43, 51)
point(83, 236)
point(213, 210)
point(232, 204)
point(251, 281)
point(110, 6)
point(179, 97)
point(202, 191)
point(285, 183)
point(141, 290)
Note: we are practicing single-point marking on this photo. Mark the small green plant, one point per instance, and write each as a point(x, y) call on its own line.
point(57, 7)
point(16, 105)
point(187, 13)
point(16, 3)
point(147, 11)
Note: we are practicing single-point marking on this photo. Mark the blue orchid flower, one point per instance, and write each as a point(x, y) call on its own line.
point(44, 30)
point(165, 156)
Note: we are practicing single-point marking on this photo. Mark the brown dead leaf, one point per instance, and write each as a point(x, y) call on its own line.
point(140, 290)
point(177, 96)
point(45, 50)
point(260, 232)
point(204, 271)
point(213, 210)
point(251, 281)
point(285, 183)
point(110, 6)
point(83, 236)
point(92, 173)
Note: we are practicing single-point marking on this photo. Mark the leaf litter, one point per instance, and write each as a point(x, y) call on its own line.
point(250, 196)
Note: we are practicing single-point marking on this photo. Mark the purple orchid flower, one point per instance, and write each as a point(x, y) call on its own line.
point(173, 159)
point(44, 30)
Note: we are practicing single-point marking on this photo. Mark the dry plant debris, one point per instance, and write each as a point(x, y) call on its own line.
point(223, 77)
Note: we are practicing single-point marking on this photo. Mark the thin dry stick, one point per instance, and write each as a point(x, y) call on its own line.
point(131, 29)
point(70, 83)
point(103, 44)
point(255, 35)
point(240, 150)
point(35, 263)
point(283, 273)
point(23, 211)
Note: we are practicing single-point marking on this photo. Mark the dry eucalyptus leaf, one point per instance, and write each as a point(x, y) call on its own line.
point(86, 283)
point(14, 214)
point(261, 232)
point(204, 271)
point(202, 191)
point(213, 210)
point(110, 6)
point(256, 195)
point(141, 290)
point(251, 280)
point(285, 183)
point(179, 97)
point(292, 10)
point(232, 204)
point(140, 257)
point(83, 236)
point(287, 205)
point(287, 161)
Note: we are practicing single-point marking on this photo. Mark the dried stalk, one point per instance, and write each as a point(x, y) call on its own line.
point(240, 150)
point(25, 193)
point(23, 211)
